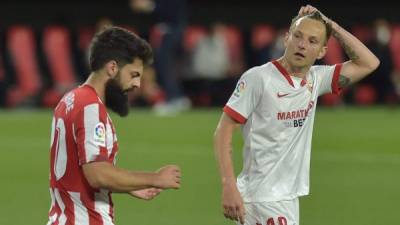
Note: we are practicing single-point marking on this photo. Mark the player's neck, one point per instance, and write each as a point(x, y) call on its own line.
point(300, 72)
point(97, 82)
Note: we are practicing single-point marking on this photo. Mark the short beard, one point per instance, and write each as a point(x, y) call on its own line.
point(116, 98)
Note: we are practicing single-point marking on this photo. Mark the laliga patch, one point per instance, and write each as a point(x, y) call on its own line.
point(100, 135)
point(239, 88)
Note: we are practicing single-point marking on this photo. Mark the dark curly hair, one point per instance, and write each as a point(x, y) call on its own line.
point(315, 16)
point(119, 44)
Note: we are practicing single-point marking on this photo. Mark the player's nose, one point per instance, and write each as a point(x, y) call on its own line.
point(135, 84)
point(301, 44)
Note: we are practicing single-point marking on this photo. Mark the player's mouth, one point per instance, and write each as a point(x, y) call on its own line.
point(126, 91)
point(298, 54)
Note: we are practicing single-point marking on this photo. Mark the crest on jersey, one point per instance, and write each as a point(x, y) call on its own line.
point(100, 134)
point(309, 86)
point(240, 87)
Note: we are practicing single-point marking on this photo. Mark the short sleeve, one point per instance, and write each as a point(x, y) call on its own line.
point(328, 79)
point(90, 133)
point(245, 97)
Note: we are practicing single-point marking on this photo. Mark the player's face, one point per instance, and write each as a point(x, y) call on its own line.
point(130, 75)
point(117, 88)
point(305, 42)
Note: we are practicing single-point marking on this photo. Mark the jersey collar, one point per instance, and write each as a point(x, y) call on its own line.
point(285, 73)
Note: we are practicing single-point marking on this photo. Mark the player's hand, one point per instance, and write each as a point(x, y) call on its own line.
point(309, 9)
point(232, 203)
point(146, 194)
point(169, 177)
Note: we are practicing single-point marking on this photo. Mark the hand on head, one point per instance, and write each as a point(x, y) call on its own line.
point(309, 9)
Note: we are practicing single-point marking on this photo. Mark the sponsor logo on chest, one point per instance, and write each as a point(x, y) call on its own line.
point(295, 118)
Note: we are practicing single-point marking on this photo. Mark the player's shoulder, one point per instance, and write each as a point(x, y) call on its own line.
point(261, 72)
point(321, 69)
point(83, 95)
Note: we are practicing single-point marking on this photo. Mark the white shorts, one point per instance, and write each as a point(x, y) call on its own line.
point(272, 213)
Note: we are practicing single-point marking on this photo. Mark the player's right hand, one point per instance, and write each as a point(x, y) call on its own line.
point(232, 203)
point(169, 177)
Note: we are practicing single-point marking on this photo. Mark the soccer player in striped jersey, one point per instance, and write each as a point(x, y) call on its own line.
point(84, 143)
point(275, 104)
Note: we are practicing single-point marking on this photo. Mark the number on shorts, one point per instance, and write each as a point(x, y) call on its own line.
point(281, 221)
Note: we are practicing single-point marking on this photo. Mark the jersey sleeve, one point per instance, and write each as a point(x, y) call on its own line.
point(90, 133)
point(245, 97)
point(328, 79)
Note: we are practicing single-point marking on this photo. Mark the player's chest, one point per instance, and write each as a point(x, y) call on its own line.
point(281, 97)
point(287, 107)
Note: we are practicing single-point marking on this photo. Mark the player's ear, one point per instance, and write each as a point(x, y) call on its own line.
point(111, 68)
point(286, 39)
point(322, 52)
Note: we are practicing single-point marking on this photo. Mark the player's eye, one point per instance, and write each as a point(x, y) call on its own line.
point(134, 75)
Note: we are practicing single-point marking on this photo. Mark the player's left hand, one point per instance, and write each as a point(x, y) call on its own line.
point(146, 194)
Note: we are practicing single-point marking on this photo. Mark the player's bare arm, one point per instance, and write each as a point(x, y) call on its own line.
point(106, 175)
point(232, 201)
point(361, 60)
point(344, 81)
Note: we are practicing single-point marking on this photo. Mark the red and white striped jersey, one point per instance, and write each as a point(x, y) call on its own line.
point(81, 132)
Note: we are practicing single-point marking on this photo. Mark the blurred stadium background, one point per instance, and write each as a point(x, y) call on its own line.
point(43, 48)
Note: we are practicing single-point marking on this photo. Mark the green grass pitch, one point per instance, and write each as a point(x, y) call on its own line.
point(354, 168)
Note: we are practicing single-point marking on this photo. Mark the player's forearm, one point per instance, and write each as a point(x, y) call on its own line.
point(126, 181)
point(357, 52)
point(223, 154)
point(105, 175)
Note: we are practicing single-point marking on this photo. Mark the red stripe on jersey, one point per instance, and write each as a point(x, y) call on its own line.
point(94, 217)
point(283, 71)
point(55, 208)
point(234, 115)
point(103, 117)
point(111, 207)
point(79, 124)
point(336, 89)
point(69, 208)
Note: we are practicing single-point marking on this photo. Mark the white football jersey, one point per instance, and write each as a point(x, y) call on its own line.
point(277, 112)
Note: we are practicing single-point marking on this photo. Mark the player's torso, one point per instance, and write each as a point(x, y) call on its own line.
point(278, 139)
point(74, 201)
point(65, 171)
point(283, 110)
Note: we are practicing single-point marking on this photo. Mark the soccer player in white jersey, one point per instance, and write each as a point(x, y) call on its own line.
point(275, 104)
point(84, 142)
